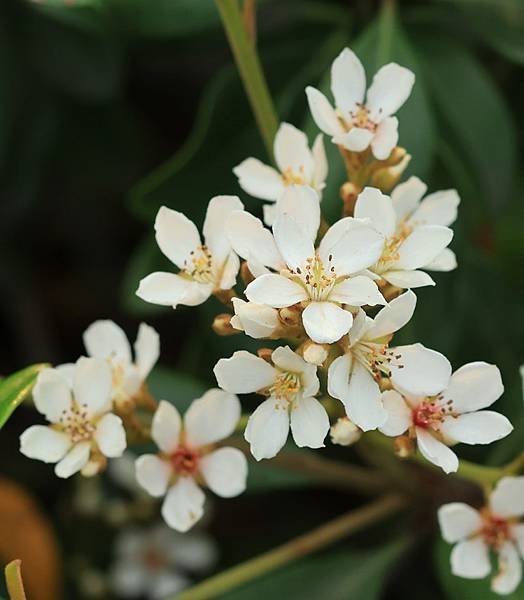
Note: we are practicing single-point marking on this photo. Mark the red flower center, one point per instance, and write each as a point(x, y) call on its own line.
point(426, 414)
point(495, 531)
point(185, 460)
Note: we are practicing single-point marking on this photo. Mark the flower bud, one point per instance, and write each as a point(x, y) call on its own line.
point(349, 193)
point(387, 178)
point(344, 432)
point(222, 325)
point(265, 353)
point(314, 354)
point(256, 320)
point(404, 446)
point(291, 316)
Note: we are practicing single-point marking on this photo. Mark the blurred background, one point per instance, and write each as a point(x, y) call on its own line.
point(112, 108)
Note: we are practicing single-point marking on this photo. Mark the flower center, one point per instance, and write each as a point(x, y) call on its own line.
point(185, 460)
point(200, 265)
point(317, 278)
point(360, 118)
point(376, 358)
point(76, 423)
point(289, 177)
point(286, 387)
point(430, 413)
point(495, 530)
point(391, 247)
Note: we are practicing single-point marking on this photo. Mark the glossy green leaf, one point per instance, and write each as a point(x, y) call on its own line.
point(15, 388)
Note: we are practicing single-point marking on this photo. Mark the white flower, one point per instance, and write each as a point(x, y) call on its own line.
point(496, 527)
point(158, 562)
point(352, 377)
point(344, 432)
point(204, 268)
point(322, 279)
point(290, 384)
point(356, 124)
point(416, 233)
point(82, 426)
point(441, 417)
point(106, 340)
point(256, 320)
point(296, 163)
point(187, 457)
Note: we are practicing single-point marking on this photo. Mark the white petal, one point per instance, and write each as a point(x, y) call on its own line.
point(393, 316)
point(230, 271)
point(408, 279)
point(436, 452)
point(474, 386)
point(218, 212)
point(422, 246)
point(483, 427)
point(166, 584)
point(320, 163)
point(362, 399)
point(357, 139)
point(373, 204)
point(439, 208)
point(259, 180)
point(399, 414)
point(361, 324)
point(301, 202)
point(338, 376)
point(445, 261)
point(256, 320)
point(51, 394)
point(269, 212)
point(105, 339)
point(292, 152)
point(110, 436)
point(244, 373)
point(390, 88)
point(275, 290)
point(183, 505)
point(348, 81)
point(470, 559)
point(326, 322)
point(251, 240)
point(285, 359)
point(147, 349)
point(510, 570)
point(518, 534)
point(353, 245)
point(322, 112)
point(168, 289)
point(225, 471)
point(166, 427)
point(211, 418)
point(267, 429)
point(309, 423)
point(128, 577)
point(176, 235)
point(425, 372)
point(407, 195)
point(385, 138)
point(44, 443)
point(357, 291)
point(458, 521)
point(507, 500)
point(93, 385)
point(153, 474)
point(75, 460)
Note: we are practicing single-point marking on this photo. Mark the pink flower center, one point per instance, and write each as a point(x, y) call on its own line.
point(185, 460)
point(495, 531)
point(360, 118)
point(427, 414)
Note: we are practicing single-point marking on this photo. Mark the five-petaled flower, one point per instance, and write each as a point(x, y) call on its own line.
point(83, 431)
point(188, 457)
point(416, 233)
point(437, 418)
point(297, 164)
point(290, 384)
point(356, 124)
point(204, 268)
point(495, 527)
point(320, 280)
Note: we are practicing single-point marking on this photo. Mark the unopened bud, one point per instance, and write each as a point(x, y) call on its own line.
point(314, 354)
point(344, 432)
point(291, 315)
point(387, 178)
point(348, 194)
point(404, 446)
point(265, 353)
point(222, 325)
point(256, 320)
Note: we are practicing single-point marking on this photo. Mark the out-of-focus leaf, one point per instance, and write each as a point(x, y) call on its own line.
point(27, 535)
point(13, 578)
point(334, 575)
point(476, 114)
point(175, 387)
point(15, 388)
point(458, 588)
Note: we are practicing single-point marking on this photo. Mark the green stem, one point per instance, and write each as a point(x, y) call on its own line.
point(303, 545)
point(250, 70)
point(13, 578)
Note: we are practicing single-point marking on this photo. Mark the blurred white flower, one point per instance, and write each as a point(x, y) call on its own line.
point(77, 403)
point(451, 414)
point(494, 528)
point(322, 279)
point(344, 432)
point(290, 384)
point(416, 233)
point(356, 124)
point(158, 562)
point(187, 457)
point(297, 165)
point(204, 268)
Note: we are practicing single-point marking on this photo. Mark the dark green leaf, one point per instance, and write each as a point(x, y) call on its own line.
point(175, 387)
point(15, 388)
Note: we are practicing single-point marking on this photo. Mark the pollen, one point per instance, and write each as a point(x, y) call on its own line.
point(199, 266)
point(318, 278)
point(286, 387)
point(290, 177)
point(76, 423)
point(360, 118)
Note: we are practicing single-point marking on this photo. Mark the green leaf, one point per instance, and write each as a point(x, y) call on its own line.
point(15, 388)
point(178, 388)
point(13, 577)
point(334, 575)
point(458, 588)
